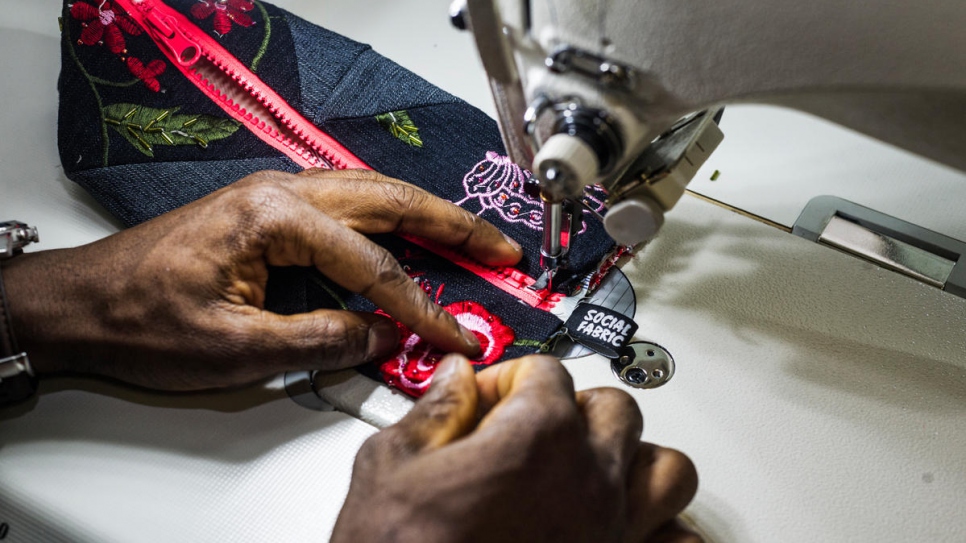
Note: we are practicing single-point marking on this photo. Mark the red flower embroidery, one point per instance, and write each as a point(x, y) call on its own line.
point(411, 369)
point(226, 12)
point(148, 74)
point(103, 25)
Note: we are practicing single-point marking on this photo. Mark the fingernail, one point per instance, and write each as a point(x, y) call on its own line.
point(471, 341)
point(383, 340)
point(513, 242)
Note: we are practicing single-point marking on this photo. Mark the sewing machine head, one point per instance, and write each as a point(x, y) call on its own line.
point(605, 92)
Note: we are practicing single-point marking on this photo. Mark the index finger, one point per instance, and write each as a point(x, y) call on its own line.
point(298, 234)
point(371, 203)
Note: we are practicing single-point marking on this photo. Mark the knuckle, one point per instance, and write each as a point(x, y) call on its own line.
point(558, 416)
point(356, 175)
point(681, 466)
point(265, 196)
point(260, 206)
point(263, 177)
point(617, 402)
point(400, 196)
point(469, 225)
point(365, 175)
point(438, 408)
point(386, 272)
point(341, 343)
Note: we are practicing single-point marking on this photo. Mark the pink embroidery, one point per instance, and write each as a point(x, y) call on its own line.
point(226, 12)
point(498, 185)
point(411, 369)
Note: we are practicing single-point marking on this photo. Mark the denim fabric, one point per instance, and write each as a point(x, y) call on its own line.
point(339, 84)
point(107, 81)
point(323, 58)
point(134, 192)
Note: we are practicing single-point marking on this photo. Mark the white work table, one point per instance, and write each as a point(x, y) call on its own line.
point(821, 397)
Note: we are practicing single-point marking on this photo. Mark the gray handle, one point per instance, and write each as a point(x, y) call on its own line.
point(912, 250)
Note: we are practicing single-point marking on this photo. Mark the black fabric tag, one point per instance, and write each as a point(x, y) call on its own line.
point(600, 329)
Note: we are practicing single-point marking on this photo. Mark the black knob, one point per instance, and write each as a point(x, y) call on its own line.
point(457, 14)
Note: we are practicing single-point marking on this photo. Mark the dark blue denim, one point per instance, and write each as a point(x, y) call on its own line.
point(340, 85)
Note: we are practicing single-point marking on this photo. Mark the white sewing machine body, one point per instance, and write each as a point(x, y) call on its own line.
point(823, 398)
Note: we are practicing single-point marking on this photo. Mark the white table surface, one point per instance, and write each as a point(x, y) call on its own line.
point(822, 398)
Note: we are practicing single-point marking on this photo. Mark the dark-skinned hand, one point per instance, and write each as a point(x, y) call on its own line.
point(513, 454)
point(177, 303)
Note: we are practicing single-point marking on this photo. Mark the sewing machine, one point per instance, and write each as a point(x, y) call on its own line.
point(821, 397)
point(628, 95)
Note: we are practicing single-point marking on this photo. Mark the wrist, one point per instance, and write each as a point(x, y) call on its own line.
point(43, 308)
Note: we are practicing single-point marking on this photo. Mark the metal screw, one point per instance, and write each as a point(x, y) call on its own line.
point(636, 376)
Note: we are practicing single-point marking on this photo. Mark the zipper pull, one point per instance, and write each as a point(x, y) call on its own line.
point(166, 30)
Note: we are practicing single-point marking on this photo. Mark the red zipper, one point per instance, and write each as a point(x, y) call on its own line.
point(236, 89)
point(510, 280)
point(250, 101)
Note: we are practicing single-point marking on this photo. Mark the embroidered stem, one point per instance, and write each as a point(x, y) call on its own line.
point(268, 36)
point(107, 83)
point(527, 343)
point(90, 81)
point(328, 290)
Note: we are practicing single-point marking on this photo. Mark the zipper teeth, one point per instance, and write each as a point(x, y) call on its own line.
point(288, 131)
point(510, 280)
point(310, 144)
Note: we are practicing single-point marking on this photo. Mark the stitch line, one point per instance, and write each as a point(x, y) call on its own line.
point(268, 36)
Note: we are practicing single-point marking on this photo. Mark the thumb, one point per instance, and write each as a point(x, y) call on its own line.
point(447, 412)
point(326, 339)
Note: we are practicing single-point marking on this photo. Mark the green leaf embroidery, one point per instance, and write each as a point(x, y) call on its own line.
point(145, 127)
point(401, 126)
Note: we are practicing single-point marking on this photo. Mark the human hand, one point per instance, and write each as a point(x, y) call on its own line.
point(177, 302)
point(513, 454)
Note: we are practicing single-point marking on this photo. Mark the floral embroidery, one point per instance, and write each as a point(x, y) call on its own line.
point(103, 25)
point(401, 127)
point(145, 127)
point(498, 184)
point(148, 74)
point(412, 367)
point(226, 12)
point(106, 25)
